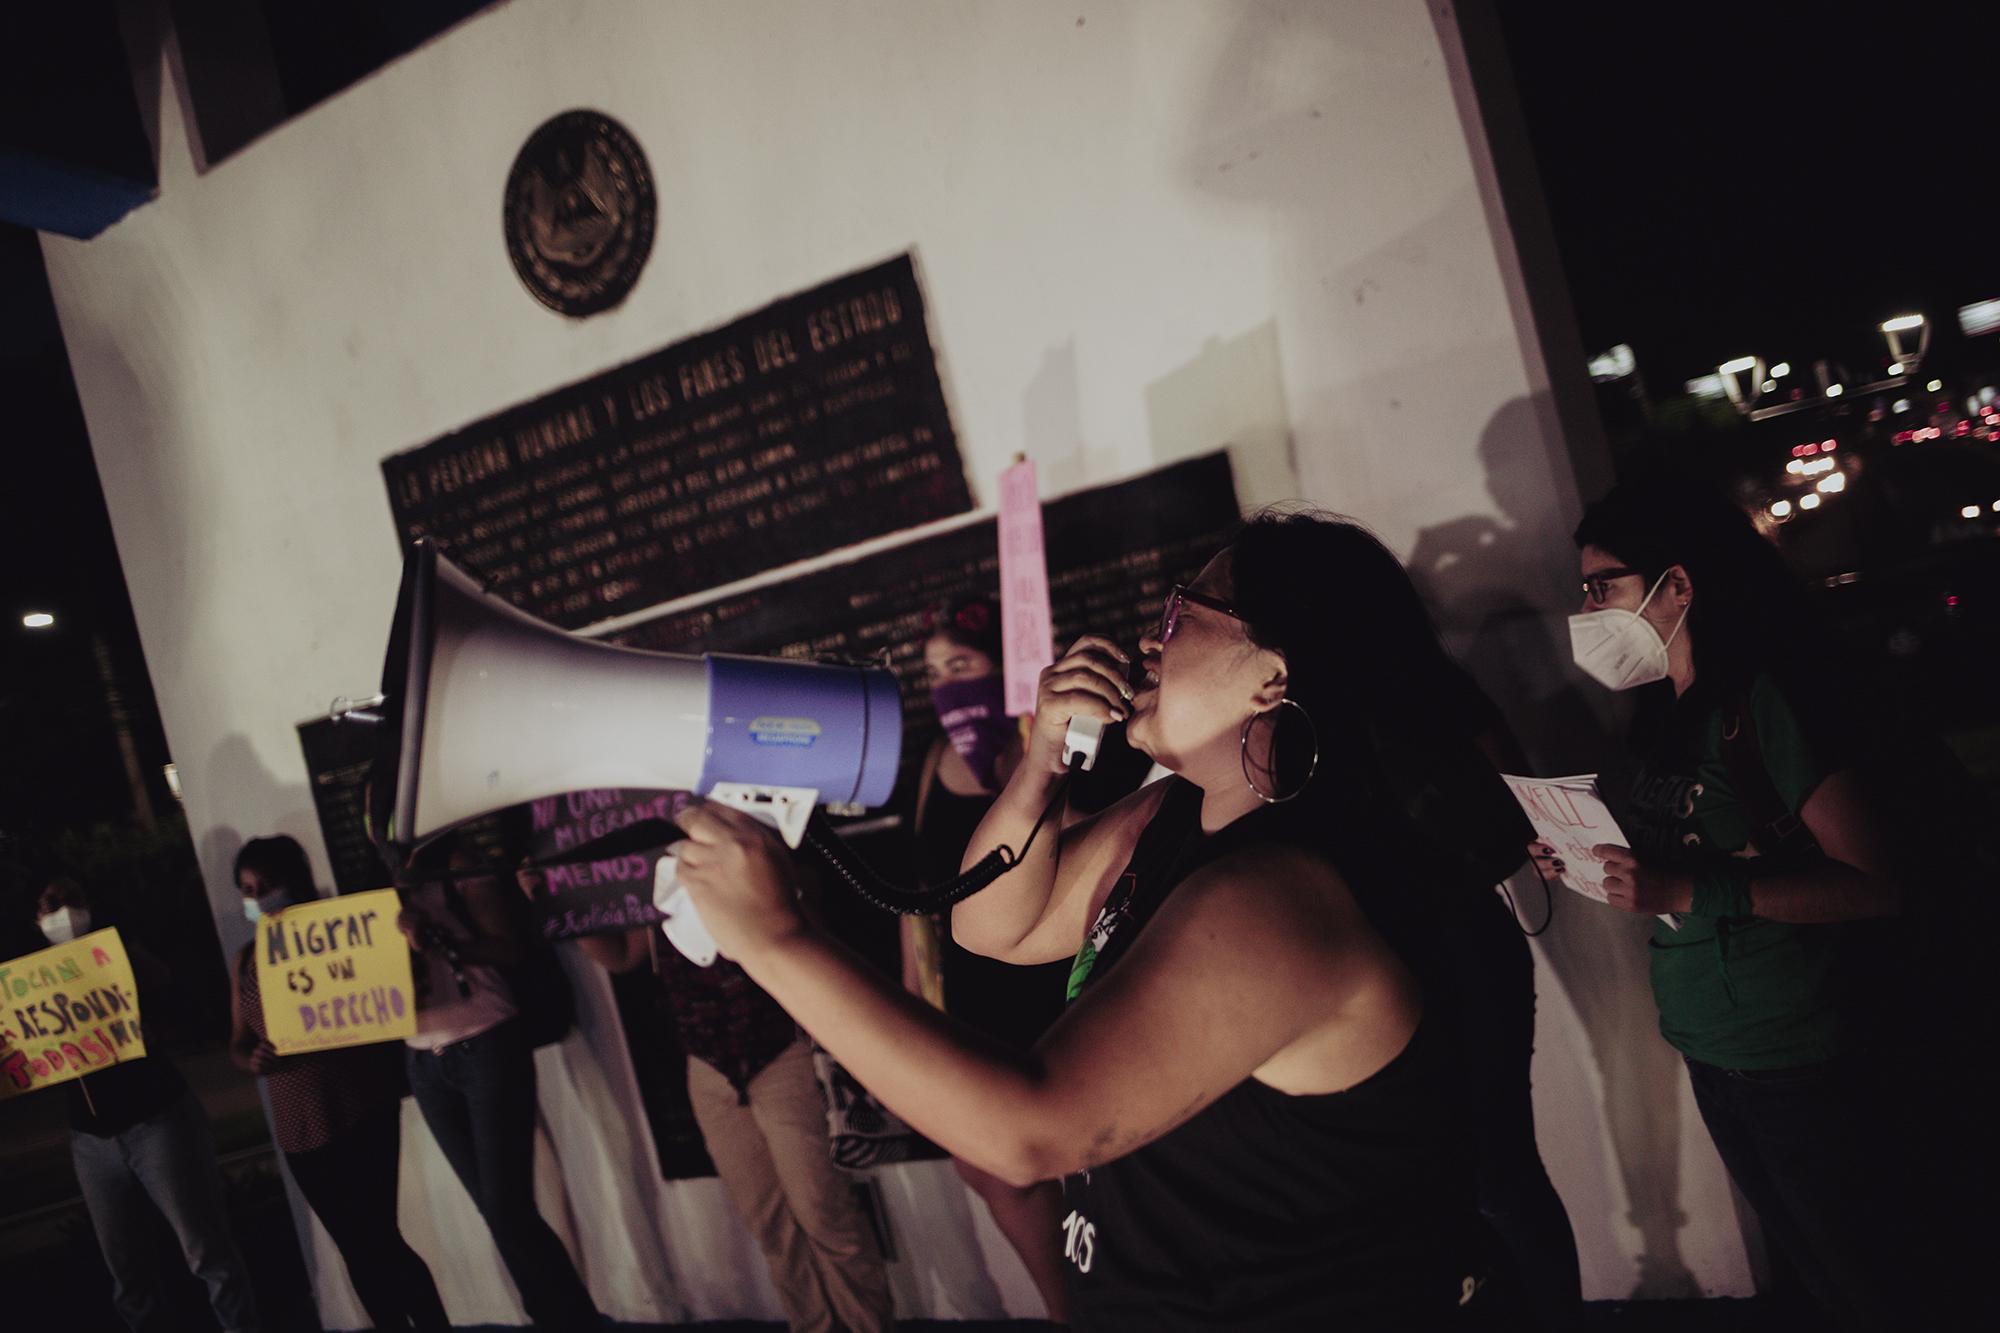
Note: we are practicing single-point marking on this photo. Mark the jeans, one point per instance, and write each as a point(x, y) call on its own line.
point(1821, 1156)
point(351, 1186)
point(478, 1097)
point(165, 1163)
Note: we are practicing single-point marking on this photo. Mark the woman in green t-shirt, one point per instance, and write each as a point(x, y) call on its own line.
point(1772, 875)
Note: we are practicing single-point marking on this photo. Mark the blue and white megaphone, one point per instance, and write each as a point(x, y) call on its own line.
point(484, 707)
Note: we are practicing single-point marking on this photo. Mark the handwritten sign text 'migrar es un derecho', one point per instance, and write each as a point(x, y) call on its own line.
point(335, 972)
point(67, 1011)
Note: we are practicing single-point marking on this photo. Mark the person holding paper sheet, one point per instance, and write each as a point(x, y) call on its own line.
point(963, 771)
point(1749, 818)
point(1251, 1099)
point(336, 1115)
point(141, 1143)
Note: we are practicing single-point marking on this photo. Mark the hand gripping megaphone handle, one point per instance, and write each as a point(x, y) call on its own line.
point(785, 809)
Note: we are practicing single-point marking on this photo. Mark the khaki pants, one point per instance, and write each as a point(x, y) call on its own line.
point(772, 1157)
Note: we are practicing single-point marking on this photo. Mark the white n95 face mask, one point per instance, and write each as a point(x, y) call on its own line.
point(64, 924)
point(1620, 649)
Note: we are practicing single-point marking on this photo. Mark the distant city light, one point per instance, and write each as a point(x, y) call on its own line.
point(38, 620)
point(1796, 467)
point(1900, 405)
point(1782, 369)
point(1615, 364)
point(1832, 485)
point(1808, 502)
point(1826, 446)
point(1707, 386)
point(1979, 317)
point(1835, 390)
point(1768, 386)
point(1738, 366)
point(1996, 506)
point(1901, 323)
point(1895, 367)
point(1970, 511)
point(1934, 386)
point(1781, 509)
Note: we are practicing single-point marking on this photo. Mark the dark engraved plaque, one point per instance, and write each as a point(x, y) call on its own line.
point(579, 213)
point(813, 424)
point(337, 759)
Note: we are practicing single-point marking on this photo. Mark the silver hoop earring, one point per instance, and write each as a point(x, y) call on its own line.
point(1243, 752)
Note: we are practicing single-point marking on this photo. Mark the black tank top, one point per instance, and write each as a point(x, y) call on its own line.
point(1267, 1211)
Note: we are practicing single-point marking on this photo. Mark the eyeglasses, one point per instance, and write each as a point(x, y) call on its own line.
point(1597, 586)
point(1170, 614)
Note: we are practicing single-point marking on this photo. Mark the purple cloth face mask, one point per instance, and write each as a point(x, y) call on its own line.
point(973, 714)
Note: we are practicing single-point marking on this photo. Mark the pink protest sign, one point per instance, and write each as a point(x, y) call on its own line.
point(1026, 638)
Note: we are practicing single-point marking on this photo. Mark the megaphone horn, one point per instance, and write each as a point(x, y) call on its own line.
point(484, 707)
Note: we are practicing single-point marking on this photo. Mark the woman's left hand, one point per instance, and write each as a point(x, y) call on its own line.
point(741, 878)
point(1643, 889)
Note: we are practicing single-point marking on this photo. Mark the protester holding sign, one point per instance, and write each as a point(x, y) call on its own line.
point(1750, 817)
point(1250, 1100)
point(335, 1114)
point(472, 1070)
point(966, 766)
point(141, 1144)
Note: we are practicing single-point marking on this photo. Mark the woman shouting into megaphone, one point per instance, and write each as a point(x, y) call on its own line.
point(1249, 1100)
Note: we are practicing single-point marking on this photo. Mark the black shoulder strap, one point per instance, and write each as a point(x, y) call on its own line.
point(1774, 828)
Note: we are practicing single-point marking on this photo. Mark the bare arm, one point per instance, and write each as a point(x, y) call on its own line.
point(622, 951)
point(1856, 879)
point(1032, 914)
point(1853, 882)
point(1239, 971)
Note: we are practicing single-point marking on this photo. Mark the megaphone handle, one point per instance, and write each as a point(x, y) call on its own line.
point(1083, 737)
point(682, 923)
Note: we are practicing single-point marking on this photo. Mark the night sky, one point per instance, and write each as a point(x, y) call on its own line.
point(1769, 179)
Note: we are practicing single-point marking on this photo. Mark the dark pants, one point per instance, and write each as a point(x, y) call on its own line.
point(350, 1185)
point(1493, 1014)
point(478, 1097)
point(1822, 1156)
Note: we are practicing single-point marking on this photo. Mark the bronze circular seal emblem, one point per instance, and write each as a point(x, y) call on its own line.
point(579, 213)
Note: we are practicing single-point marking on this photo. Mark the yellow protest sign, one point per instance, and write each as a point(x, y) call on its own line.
point(67, 1011)
point(335, 972)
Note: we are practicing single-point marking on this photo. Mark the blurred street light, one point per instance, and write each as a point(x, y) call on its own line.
point(1835, 390)
point(38, 620)
point(1809, 501)
point(1782, 369)
point(1894, 329)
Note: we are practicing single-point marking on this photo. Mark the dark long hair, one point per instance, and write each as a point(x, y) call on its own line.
point(277, 860)
point(1748, 613)
point(1394, 715)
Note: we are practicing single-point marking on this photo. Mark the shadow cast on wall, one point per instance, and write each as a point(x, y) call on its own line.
point(1492, 579)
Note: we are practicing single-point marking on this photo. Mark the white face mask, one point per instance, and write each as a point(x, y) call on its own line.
point(272, 903)
point(64, 924)
point(1620, 649)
